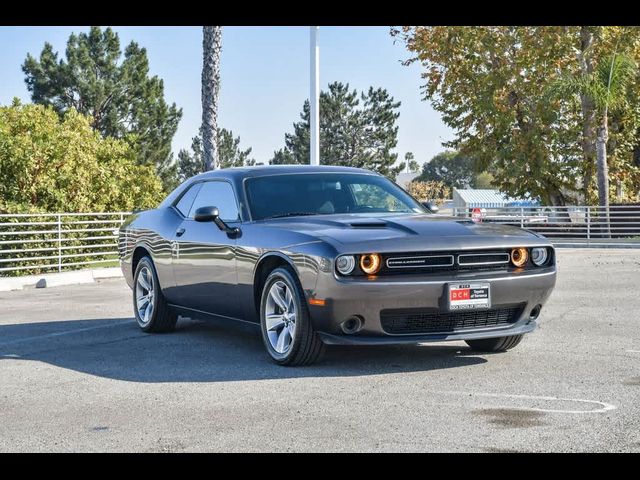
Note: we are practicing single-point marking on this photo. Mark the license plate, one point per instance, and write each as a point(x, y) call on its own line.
point(468, 296)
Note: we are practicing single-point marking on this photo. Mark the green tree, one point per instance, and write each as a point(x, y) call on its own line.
point(285, 157)
point(50, 163)
point(597, 45)
point(607, 89)
point(409, 163)
point(211, 50)
point(116, 90)
point(357, 130)
point(484, 180)
point(451, 168)
point(230, 154)
point(491, 86)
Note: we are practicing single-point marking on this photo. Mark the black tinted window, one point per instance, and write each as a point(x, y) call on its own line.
point(217, 194)
point(326, 193)
point(185, 202)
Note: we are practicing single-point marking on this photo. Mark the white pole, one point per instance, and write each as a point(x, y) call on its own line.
point(314, 97)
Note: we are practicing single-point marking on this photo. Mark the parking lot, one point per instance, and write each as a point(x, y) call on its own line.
point(76, 374)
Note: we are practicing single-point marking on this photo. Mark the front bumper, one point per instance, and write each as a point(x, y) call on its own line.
point(367, 298)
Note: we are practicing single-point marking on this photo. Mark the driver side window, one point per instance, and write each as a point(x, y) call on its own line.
point(217, 194)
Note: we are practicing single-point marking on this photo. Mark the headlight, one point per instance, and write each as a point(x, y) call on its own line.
point(539, 256)
point(370, 263)
point(519, 257)
point(345, 264)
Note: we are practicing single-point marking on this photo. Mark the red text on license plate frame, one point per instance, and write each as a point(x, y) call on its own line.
point(468, 296)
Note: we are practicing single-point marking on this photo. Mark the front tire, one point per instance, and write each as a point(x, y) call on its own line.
point(500, 344)
point(287, 332)
point(150, 308)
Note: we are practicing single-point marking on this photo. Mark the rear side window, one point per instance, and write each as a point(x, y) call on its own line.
point(217, 194)
point(185, 202)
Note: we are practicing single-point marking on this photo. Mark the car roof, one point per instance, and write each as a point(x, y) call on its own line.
point(265, 170)
point(238, 174)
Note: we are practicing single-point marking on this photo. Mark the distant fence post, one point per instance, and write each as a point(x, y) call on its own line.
point(588, 226)
point(59, 243)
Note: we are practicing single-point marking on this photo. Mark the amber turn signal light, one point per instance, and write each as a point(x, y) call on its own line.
point(519, 257)
point(370, 263)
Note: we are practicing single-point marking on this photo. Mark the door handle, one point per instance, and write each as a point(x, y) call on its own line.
point(179, 232)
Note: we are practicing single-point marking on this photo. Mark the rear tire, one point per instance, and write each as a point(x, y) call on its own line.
point(500, 344)
point(285, 323)
point(150, 308)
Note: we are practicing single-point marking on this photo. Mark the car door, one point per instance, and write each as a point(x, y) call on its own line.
point(204, 257)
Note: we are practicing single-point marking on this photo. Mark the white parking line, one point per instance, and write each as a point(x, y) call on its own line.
point(603, 406)
point(633, 351)
point(66, 332)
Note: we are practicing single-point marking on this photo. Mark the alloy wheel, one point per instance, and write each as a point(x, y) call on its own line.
point(144, 295)
point(280, 317)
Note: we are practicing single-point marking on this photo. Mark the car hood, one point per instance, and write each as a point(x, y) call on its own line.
point(407, 232)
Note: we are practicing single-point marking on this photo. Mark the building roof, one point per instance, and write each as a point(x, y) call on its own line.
point(487, 198)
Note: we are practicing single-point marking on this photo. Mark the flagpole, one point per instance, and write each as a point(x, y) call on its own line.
point(314, 97)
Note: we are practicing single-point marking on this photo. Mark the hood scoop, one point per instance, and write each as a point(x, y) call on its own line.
point(368, 224)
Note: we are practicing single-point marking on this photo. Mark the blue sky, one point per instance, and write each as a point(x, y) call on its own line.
point(265, 77)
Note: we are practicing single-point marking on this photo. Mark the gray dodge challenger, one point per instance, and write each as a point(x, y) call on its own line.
point(331, 255)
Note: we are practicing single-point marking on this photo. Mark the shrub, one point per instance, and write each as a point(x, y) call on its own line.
point(53, 164)
point(431, 191)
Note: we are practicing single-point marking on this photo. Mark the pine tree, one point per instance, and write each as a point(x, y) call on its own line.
point(230, 154)
point(116, 90)
point(357, 130)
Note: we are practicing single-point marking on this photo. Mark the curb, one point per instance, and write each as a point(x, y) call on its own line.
point(58, 279)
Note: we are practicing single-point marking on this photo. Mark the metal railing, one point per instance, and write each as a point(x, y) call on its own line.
point(50, 242)
point(43, 243)
point(570, 225)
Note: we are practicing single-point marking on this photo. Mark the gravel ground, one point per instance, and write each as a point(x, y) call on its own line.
point(76, 374)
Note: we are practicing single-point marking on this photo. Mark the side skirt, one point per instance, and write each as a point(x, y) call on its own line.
point(200, 314)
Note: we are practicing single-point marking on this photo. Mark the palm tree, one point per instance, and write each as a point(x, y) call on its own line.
point(409, 161)
point(211, 48)
point(606, 87)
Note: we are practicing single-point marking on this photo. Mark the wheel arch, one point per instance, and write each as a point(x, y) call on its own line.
point(265, 265)
point(139, 252)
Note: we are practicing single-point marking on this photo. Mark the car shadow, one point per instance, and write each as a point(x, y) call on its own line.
point(200, 351)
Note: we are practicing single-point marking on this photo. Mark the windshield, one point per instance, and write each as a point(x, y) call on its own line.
point(326, 193)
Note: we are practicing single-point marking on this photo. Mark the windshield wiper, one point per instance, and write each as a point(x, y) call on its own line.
point(290, 214)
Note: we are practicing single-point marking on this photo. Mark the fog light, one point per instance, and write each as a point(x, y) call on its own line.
point(345, 264)
point(352, 325)
point(535, 312)
point(370, 263)
point(539, 256)
point(519, 257)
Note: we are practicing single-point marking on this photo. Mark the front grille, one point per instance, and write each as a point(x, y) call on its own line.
point(444, 261)
point(426, 261)
point(422, 320)
point(471, 259)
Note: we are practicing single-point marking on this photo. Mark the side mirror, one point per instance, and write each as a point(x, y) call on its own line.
point(432, 207)
point(206, 214)
point(211, 214)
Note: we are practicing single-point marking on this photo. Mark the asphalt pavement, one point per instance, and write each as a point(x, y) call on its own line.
point(76, 374)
